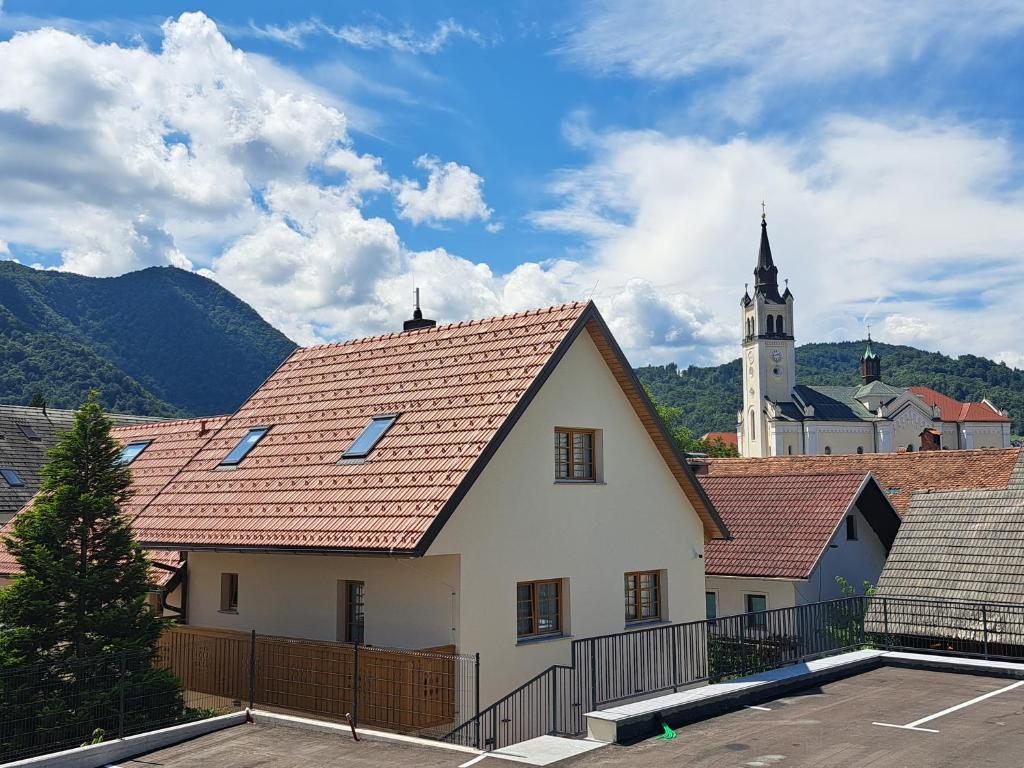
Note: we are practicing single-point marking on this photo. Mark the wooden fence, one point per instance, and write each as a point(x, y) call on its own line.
point(380, 687)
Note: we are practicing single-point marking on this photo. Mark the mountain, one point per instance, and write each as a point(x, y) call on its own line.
point(710, 397)
point(161, 341)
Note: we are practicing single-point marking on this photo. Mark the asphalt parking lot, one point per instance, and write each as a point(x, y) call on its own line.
point(887, 718)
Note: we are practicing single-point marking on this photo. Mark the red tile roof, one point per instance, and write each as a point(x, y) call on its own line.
point(899, 474)
point(173, 444)
point(951, 409)
point(779, 524)
point(729, 438)
point(458, 389)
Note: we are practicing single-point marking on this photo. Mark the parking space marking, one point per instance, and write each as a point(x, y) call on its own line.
point(915, 726)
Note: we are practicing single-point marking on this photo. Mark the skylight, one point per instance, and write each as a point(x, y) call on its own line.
point(132, 450)
point(27, 431)
point(369, 437)
point(245, 445)
point(11, 477)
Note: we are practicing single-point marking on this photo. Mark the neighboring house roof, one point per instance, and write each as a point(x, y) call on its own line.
point(172, 444)
point(26, 456)
point(459, 390)
point(780, 525)
point(729, 438)
point(951, 409)
point(898, 474)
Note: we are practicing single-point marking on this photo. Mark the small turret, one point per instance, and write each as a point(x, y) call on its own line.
point(870, 364)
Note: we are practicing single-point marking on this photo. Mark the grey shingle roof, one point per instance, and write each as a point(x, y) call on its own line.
point(26, 456)
point(838, 403)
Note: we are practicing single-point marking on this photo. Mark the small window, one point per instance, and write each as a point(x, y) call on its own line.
point(245, 445)
point(574, 454)
point(643, 596)
point(538, 608)
point(778, 324)
point(851, 528)
point(370, 436)
point(711, 604)
point(13, 478)
point(756, 606)
point(828, 450)
point(28, 431)
point(789, 450)
point(131, 451)
point(771, 323)
point(229, 592)
point(355, 617)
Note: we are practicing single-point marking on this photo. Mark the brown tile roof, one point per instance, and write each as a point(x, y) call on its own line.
point(729, 438)
point(173, 444)
point(780, 524)
point(951, 409)
point(458, 389)
point(899, 474)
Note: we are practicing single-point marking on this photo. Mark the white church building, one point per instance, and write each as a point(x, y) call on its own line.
point(781, 417)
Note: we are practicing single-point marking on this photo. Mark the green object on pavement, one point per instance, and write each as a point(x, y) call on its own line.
point(668, 735)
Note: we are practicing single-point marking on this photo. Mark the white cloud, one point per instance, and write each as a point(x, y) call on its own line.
point(5, 249)
point(920, 217)
point(453, 192)
point(759, 48)
point(368, 36)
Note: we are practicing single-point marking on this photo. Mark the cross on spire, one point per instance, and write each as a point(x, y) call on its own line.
point(762, 210)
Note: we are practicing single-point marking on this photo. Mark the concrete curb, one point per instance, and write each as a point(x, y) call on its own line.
point(263, 717)
point(97, 755)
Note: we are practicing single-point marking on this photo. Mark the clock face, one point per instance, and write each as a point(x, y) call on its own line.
point(776, 355)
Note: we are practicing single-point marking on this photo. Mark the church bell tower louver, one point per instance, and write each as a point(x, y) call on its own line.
point(768, 350)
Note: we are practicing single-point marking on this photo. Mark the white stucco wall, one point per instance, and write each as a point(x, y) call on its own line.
point(856, 561)
point(409, 603)
point(732, 593)
point(517, 524)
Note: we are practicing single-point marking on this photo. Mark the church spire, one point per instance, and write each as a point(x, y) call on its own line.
point(766, 274)
point(870, 364)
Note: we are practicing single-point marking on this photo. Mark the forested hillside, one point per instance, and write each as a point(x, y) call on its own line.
point(161, 341)
point(710, 397)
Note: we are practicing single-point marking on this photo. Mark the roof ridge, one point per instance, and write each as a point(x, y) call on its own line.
point(174, 422)
point(457, 324)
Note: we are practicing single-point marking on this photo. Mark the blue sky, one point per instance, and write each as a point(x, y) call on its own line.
point(321, 159)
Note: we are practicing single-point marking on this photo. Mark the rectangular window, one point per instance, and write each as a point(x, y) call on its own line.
point(756, 605)
point(229, 592)
point(13, 478)
point(851, 528)
point(355, 617)
point(574, 454)
point(711, 605)
point(28, 431)
point(246, 444)
point(369, 437)
point(538, 608)
point(131, 451)
point(643, 596)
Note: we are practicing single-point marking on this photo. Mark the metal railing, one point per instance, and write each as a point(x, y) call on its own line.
point(645, 661)
point(51, 706)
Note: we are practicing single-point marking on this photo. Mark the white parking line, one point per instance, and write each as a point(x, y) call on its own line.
point(914, 726)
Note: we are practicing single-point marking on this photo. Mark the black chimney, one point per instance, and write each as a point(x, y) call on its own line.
point(418, 321)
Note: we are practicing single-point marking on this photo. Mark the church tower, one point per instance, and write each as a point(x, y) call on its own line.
point(870, 364)
point(769, 350)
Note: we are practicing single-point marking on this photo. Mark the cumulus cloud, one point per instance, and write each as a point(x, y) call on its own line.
point(452, 192)
point(758, 49)
point(921, 218)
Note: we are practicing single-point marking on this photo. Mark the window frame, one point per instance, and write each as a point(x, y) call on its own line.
point(535, 615)
point(571, 433)
point(391, 418)
point(29, 432)
point(753, 618)
point(7, 473)
point(713, 593)
point(354, 620)
point(851, 528)
point(263, 429)
point(638, 603)
point(144, 445)
point(228, 592)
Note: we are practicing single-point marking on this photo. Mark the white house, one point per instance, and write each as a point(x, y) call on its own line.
point(501, 485)
point(792, 535)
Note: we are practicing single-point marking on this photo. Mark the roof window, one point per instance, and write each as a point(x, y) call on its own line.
point(27, 431)
point(131, 451)
point(245, 445)
point(370, 436)
point(12, 477)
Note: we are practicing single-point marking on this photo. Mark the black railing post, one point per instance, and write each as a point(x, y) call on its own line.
point(355, 684)
point(252, 670)
point(554, 701)
point(885, 617)
point(476, 683)
point(675, 662)
point(593, 676)
point(123, 682)
point(984, 626)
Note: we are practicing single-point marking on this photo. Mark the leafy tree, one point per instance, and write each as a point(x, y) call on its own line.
point(76, 636)
point(672, 417)
point(37, 401)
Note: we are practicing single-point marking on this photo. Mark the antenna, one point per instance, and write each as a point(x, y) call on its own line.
point(417, 298)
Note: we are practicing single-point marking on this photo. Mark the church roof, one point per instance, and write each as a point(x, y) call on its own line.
point(869, 351)
point(766, 274)
point(879, 389)
point(835, 403)
point(951, 409)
